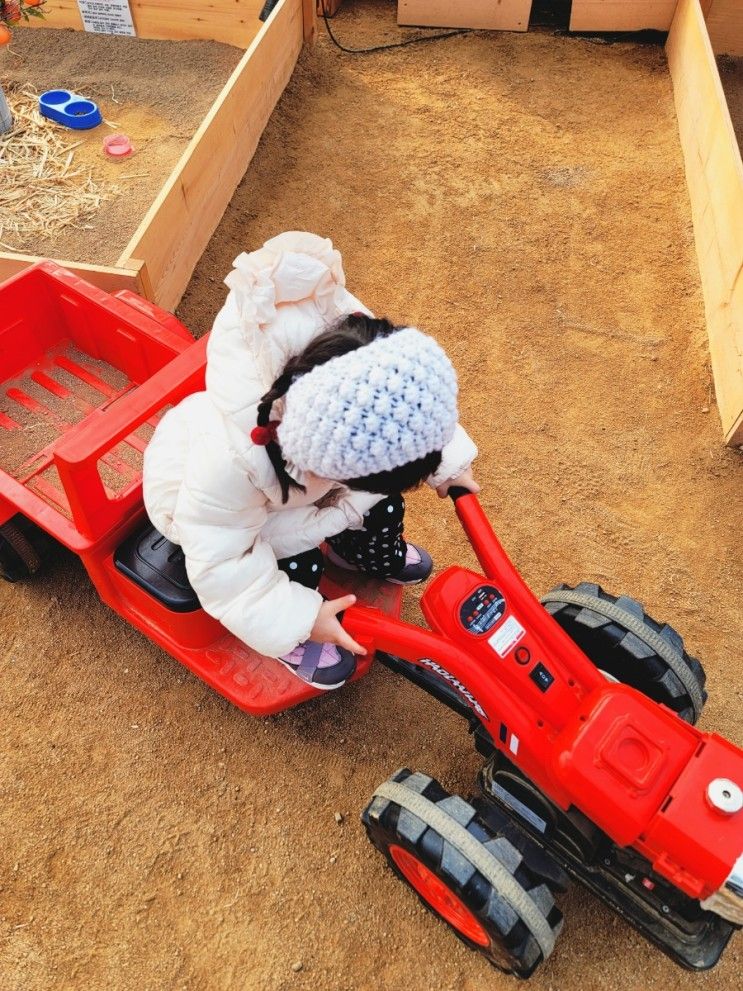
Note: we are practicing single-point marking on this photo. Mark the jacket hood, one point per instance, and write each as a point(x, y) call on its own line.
point(257, 331)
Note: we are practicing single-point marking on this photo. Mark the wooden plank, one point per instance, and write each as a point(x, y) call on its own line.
point(310, 13)
point(714, 173)
point(59, 14)
point(497, 15)
point(724, 173)
point(725, 26)
point(234, 22)
point(734, 432)
point(177, 228)
point(111, 279)
point(145, 287)
point(621, 15)
point(331, 6)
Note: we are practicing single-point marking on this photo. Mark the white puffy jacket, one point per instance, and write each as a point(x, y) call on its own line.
point(208, 488)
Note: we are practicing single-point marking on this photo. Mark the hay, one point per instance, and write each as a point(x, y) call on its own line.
point(42, 191)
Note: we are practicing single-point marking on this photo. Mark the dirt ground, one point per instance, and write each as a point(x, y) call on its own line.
point(523, 198)
point(156, 92)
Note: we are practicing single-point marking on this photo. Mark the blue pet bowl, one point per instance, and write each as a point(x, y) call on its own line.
point(69, 109)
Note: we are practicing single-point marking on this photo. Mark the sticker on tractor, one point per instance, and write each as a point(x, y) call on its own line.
point(455, 683)
point(506, 638)
point(480, 612)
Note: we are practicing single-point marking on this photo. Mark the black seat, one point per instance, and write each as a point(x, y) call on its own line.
point(159, 567)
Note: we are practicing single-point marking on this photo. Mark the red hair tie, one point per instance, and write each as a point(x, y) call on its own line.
point(264, 435)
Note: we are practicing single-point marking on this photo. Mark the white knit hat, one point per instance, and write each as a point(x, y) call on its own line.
point(372, 410)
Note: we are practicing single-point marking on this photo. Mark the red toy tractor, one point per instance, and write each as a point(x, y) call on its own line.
point(583, 706)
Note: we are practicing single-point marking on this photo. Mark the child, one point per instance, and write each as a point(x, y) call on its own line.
point(316, 416)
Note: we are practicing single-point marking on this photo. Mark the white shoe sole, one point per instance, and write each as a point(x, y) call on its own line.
point(346, 566)
point(312, 684)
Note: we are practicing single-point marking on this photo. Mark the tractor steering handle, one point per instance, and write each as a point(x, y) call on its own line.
point(457, 491)
point(478, 530)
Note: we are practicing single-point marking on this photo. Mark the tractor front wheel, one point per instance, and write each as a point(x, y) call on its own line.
point(473, 879)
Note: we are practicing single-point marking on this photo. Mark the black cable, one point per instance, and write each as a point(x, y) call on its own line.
point(267, 10)
point(384, 48)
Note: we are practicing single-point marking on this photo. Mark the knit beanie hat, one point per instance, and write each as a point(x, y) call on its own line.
point(374, 409)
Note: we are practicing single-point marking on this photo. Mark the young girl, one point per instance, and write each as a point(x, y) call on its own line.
point(316, 417)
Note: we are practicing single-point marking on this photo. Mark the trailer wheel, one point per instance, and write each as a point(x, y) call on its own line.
point(19, 554)
point(473, 879)
point(629, 646)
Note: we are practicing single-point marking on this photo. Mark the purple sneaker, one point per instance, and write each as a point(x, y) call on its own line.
point(322, 665)
point(418, 566)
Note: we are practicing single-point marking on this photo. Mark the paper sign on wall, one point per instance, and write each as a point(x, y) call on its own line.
point(107, 16)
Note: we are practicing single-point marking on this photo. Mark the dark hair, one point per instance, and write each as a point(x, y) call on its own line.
point(346, 334)
point(408, 476)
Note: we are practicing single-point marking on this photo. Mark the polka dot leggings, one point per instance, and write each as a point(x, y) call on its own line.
point(378, 549)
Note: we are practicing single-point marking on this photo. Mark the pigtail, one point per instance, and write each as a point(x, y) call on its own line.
point(273, 450)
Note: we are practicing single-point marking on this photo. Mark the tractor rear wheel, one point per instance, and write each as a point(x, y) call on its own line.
point(473, 879)
point(20, 549)
point(629, 646)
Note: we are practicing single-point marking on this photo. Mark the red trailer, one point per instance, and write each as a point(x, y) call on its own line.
point(90, 374)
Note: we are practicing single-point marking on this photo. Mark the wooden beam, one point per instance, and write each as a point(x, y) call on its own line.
point(505, 15)
point(714, 173)
point(331, 7)
point(309, 16)
point(59, 14)
point(177, 228)
point(621, 15)
point(234, 22)
point(110, 279)
point(144, 283)
point(725, 26)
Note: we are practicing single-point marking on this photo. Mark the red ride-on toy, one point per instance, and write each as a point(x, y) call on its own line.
point(583, 706)
point(85, 378)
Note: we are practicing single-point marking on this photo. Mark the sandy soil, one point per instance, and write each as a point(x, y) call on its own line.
point(731, 74)
point(523, 198)
point(156, 92)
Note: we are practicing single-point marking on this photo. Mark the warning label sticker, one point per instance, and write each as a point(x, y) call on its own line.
point(506, 636)
point(107, 16)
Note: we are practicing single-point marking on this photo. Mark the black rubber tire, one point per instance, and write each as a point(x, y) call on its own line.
point(20, 549)
point(623, 655)
point(512, 947)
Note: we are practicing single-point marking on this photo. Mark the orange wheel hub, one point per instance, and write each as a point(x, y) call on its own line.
point(439, 896)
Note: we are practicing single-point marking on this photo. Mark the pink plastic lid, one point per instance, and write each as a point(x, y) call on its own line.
point(117, 146)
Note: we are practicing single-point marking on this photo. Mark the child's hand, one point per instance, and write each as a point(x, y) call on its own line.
point(464, 481)
point(327, 628)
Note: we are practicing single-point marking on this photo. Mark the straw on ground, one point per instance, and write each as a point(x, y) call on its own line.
point(42, 189)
